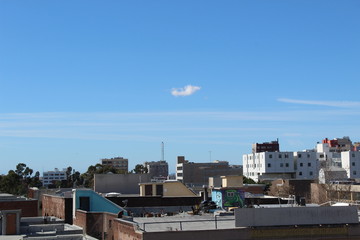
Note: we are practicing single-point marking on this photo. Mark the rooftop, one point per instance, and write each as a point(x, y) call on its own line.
point(185, 222)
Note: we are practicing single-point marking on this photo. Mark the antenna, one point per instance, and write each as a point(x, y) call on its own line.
point(162, 151)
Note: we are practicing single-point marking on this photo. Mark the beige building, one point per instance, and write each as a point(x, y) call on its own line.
point(165, 189)
point(197, 174)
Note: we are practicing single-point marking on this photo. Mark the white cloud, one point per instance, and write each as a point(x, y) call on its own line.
point(345, 104)
point(185, 91)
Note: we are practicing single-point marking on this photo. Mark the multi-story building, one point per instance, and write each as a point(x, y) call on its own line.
point(350, 161)
point(117, 162)
point(329, 156)
point(339, 144)
point(50, 177)
point(269, 165)
point(159, 169)
point(307, 164)
point(197, 174)
point(272, 146)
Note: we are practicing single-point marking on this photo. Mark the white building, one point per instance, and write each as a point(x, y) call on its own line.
point(52, 176)
point(307, 164)
point(264, 165)
point(350, 161)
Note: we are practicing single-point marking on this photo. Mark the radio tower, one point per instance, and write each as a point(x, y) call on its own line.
point(162, 151)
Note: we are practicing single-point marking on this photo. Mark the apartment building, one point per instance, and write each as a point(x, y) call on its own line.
point(307, 165)
point(350, 161)
point(159, 169)
point(269, 165)
point(49, 177)
point(117, 162)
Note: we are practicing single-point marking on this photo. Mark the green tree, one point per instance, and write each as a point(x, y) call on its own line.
point(87, 178)
point(139, 168)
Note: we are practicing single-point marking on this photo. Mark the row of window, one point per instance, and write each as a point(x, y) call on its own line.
point(54, 174)
point(302, 164)
point(310, 173)
point(253, 165)
point(281, 165)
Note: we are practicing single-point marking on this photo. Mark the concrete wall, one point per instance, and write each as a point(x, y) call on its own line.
point(254, 217)
point(121, 183)
point(128, 231)
point(232, 181)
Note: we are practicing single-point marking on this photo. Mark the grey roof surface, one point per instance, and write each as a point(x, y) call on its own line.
point(184, 222)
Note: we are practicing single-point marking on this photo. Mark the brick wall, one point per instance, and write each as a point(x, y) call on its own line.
point(96, 224)
point(57, 206)
point(29, 208)
point(125, 231)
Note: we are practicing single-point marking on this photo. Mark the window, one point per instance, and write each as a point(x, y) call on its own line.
point(354, 172)
point(311, 173)
point(308, 155)
point(286, 164)
point(286, 155)
point(353, 164)
point(281, 165)
point(269, 165)
point(299, 155)
point(301, 164)
point(322, 155)
point(353, 154)
point(309, 164)
point(280, 156)
point(300, 173)
point(270, 155)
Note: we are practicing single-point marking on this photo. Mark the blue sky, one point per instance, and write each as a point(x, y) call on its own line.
point(84, 80)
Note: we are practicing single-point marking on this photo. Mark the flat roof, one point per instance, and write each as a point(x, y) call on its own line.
point(185, 222)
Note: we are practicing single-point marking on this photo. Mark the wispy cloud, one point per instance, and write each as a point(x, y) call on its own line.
point(185, 91)
point(344, 104)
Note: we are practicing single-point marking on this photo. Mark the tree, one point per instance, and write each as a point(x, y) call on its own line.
point(19, 180)
point(87, 178)
point(139, 168)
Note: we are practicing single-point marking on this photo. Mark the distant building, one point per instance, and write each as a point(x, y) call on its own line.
point(197, 174)
point(117, 162)
point(272, 146)
point(339, 144)
point(269, 165)
point(350, 161)
point(50, 177)
point(159, 169)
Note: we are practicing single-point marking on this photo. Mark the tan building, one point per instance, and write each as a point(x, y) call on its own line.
point(165, 189)
point(197, 174)
point(117, 162)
